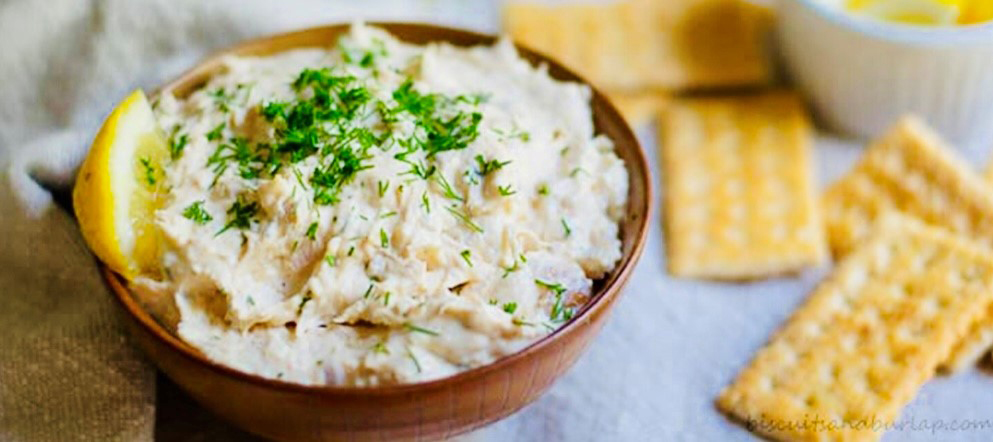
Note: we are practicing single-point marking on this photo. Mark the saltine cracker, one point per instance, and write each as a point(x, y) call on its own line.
point(871, 334)
point(910, 169)
point(739, 192)
point(634, 45)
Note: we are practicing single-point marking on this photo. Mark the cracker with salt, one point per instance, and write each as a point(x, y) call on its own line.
point(739, 193)
point(910, 169)
point(632, 45)
point(871, 334)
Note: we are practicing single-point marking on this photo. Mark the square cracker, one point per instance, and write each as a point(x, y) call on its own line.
point(629, 45)
point(910, 169)
point(739, 193)
point(870, 335)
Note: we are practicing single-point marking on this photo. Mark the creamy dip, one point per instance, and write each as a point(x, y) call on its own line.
point(379, 212)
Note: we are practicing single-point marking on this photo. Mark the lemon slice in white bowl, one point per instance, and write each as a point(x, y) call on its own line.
point(119, 186)
point(916, 12)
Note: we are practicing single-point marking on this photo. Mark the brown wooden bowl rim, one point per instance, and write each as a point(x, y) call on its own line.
point(605, 296)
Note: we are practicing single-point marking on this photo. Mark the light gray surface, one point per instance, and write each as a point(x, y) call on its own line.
point(666, 352)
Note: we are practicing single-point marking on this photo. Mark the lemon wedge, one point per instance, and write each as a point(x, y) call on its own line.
point(119, 186)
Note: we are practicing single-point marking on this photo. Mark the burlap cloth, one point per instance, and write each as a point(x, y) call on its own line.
point(67, 371)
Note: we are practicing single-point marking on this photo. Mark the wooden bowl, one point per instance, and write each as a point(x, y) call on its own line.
point(423, 411)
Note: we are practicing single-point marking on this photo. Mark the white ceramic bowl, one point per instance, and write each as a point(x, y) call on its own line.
point(861, 74)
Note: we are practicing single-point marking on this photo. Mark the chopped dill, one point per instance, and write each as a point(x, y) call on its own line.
point(487, 166)
point(464, 218)
point(506, 190)
point(241, 214)
point(312, 231)
point(466, 256)
point(177, 144)
point(215, 133)
point(146, 164)
point(425, 202)
point(380, 348)
point(196, 213)
point(449, 192)
point(555, 287)
point(414, 358)
point(414, 328)
point(510, 307)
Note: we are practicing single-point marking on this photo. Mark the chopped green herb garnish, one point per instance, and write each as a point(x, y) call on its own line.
point(414, 358)
point(221, 99)
point(386, 299)
point(146, 164)
point(559, 312)
point(493, 301)
point(543, 189)
point(196, 213)
point(485, 167)
point(508, 270)
point(565, 226)
point(449, 192)
point(510, 307)
point(440, 133)
point(241, 214)
point(384, 240)
point(380, 347)
point(506, 190)
point(555, 287)
point(312, 231)
point(351, 250)
point(466, 256)
point(177, 144)
point(465, 219)
point(515, 133)
point(368, 291)
point(417, 329)
point(215, 133)
point(519, 321)
point(425, 202)
point(388, 214)
point(383, 186)
point(331, 260)
point(577, 171)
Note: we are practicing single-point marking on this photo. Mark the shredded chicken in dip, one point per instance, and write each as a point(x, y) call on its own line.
point(380, 213)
